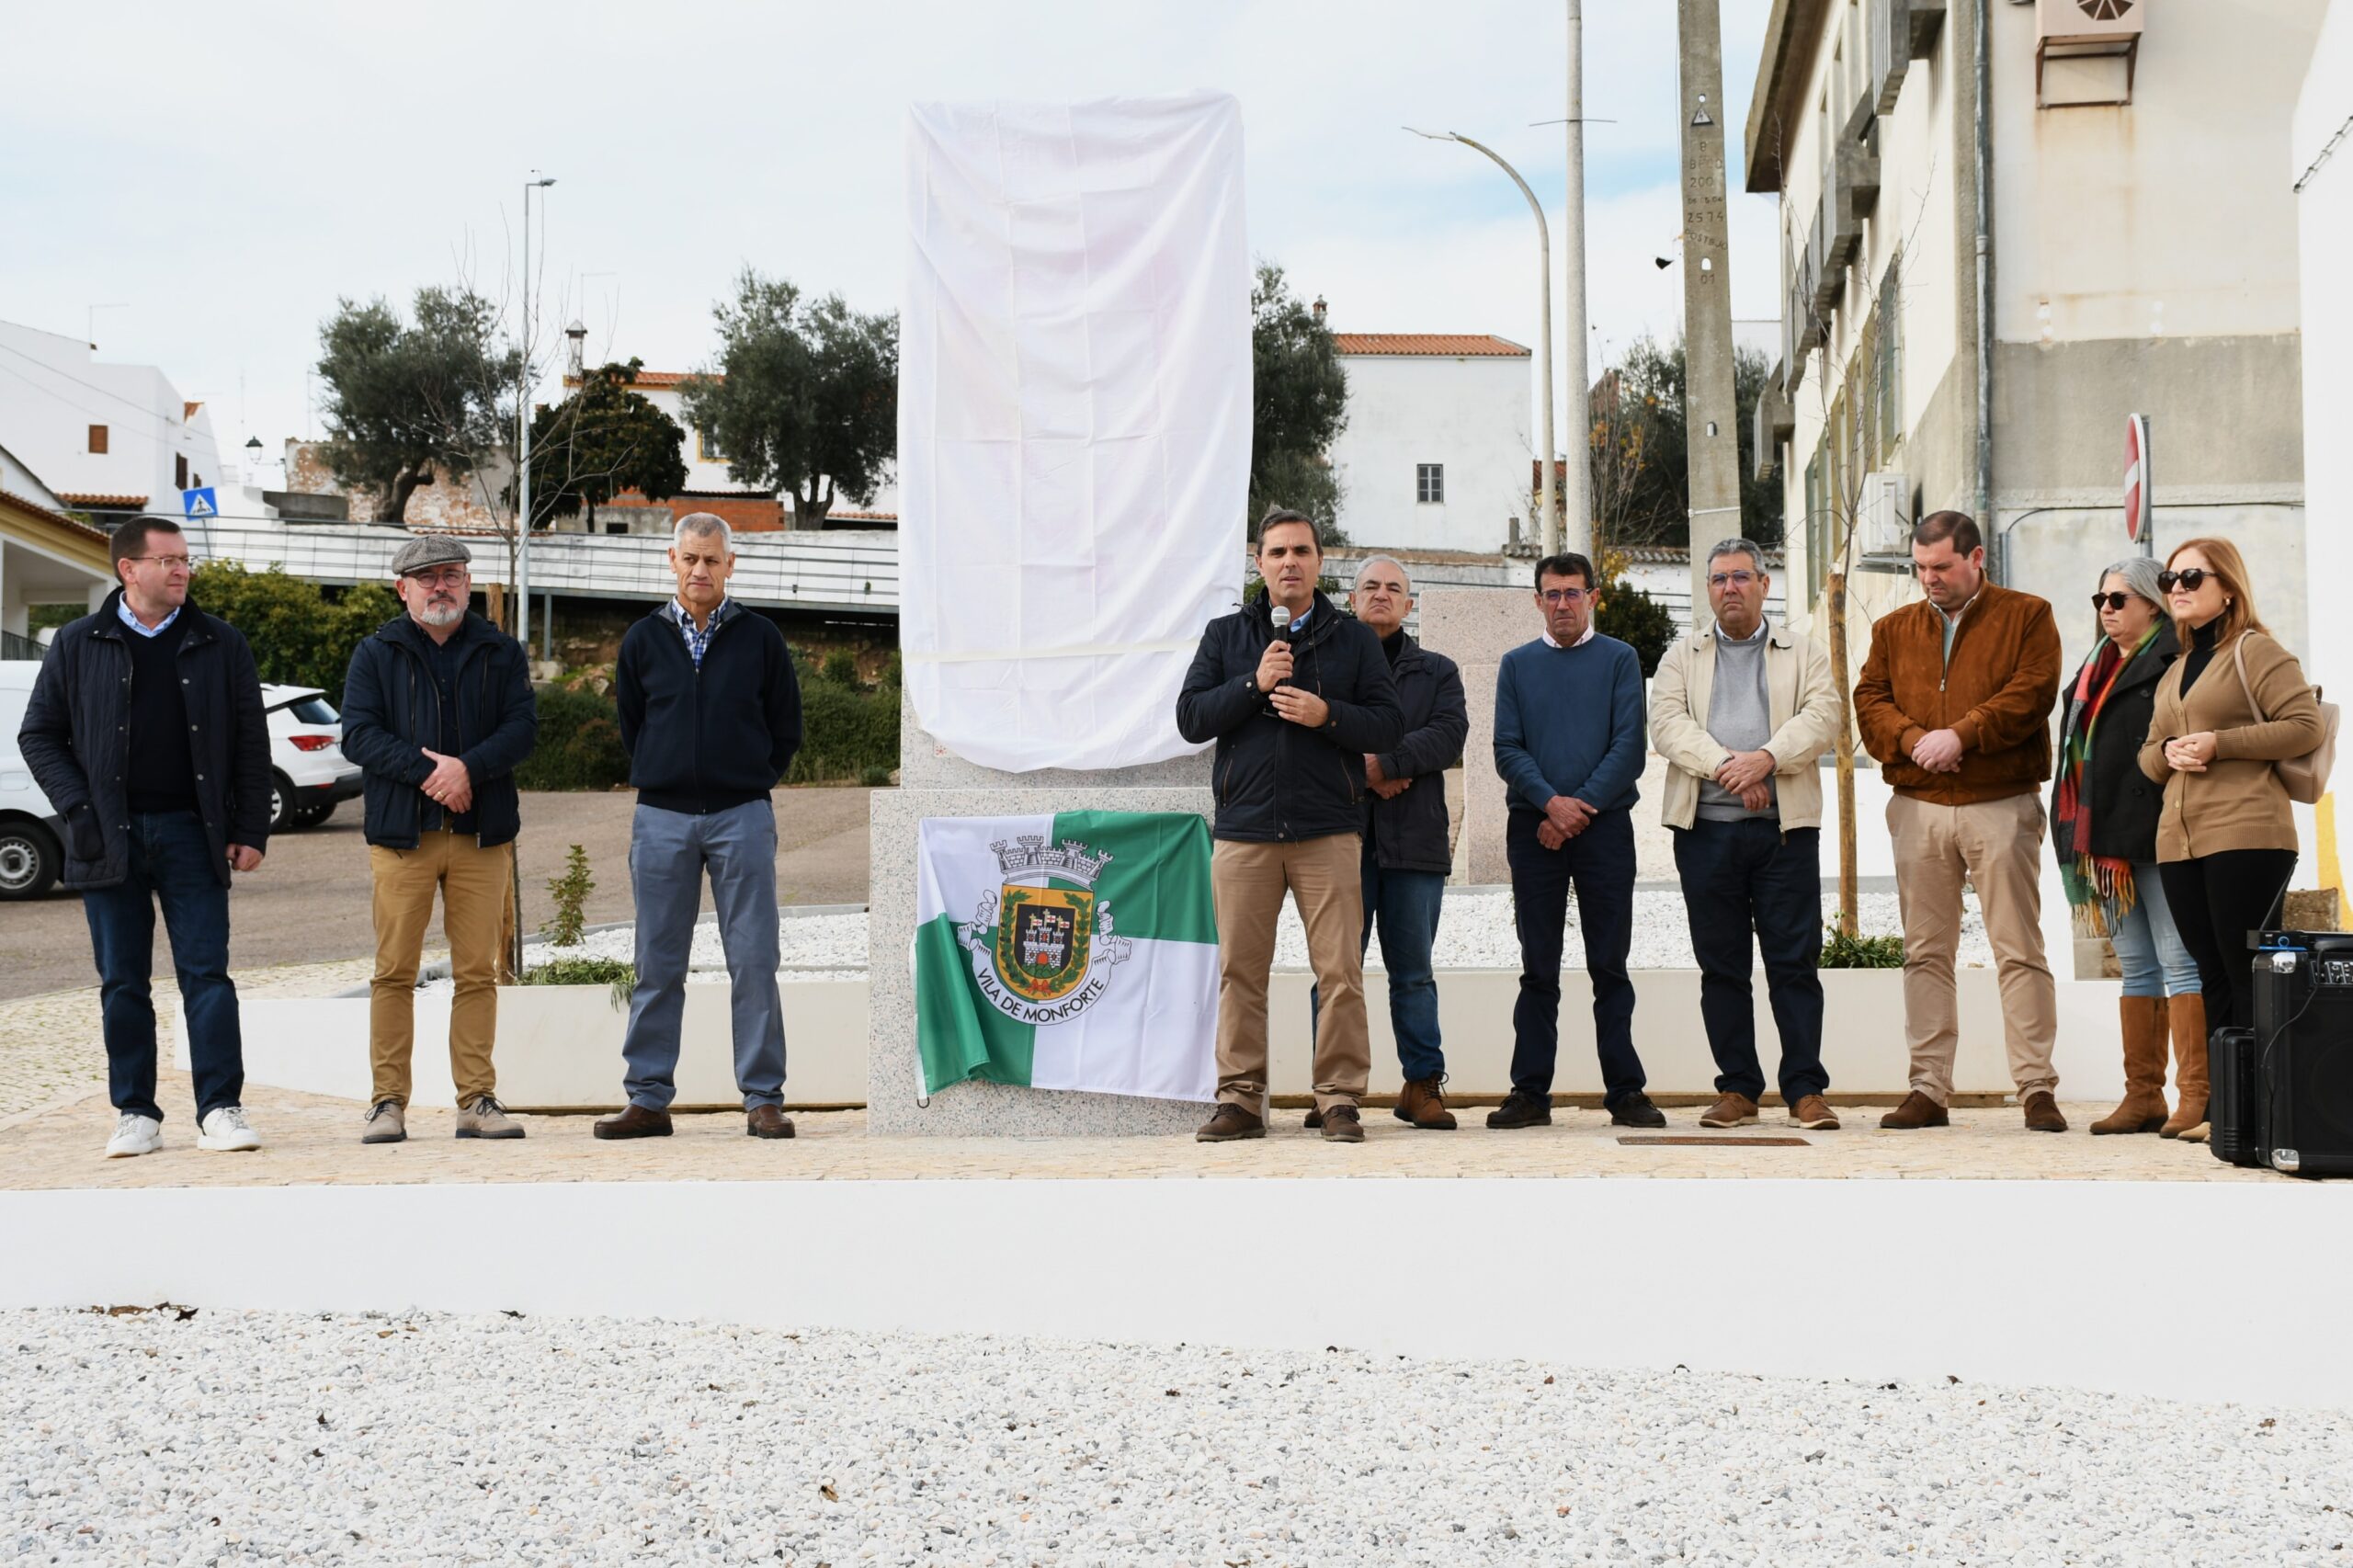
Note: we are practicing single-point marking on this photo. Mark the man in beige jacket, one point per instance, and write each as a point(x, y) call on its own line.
point(1742, 711)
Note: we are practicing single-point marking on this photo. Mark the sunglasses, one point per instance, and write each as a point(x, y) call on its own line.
point(2189, 579)
point(2112, 601)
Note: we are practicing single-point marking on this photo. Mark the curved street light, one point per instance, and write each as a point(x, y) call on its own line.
point(1550, 532)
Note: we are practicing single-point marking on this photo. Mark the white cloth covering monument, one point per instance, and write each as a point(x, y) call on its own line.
point(1074, 409)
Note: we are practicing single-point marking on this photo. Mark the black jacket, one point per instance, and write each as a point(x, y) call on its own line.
point(391, 711)
point(1409, 833)
point(2124, 804)
point(76, 735)
point(1275, 781)
point(704, 739)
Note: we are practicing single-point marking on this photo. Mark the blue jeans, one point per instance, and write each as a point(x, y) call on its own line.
point(1744, 880)
point(1600, 863)
point(1405, 906)
point(171, 865)
point(2156, 961)
point(667, 853)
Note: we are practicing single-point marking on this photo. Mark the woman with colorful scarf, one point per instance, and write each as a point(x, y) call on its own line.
point(2104, 830)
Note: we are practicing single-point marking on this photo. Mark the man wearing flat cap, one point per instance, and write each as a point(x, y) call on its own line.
point(437, 709)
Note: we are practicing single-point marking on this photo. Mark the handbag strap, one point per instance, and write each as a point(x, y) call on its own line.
point(2238, 659)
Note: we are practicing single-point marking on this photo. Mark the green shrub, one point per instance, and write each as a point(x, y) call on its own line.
point(571, 892)
point(618, 976)
point(1842, 951)
point(844, 730)
point(840, 668)
point(579, 745)
point(874, 776)
point(300, 636)
point(1631, 616)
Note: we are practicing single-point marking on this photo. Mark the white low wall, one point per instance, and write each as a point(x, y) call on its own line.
point(559, 1046)
point(2024, 1291)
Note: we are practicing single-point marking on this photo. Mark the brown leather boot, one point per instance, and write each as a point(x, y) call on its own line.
point(1917, 1110)
point(633, 1120)
point(2043, 1114)
point(2186, 1015)
point(1229, 1122)
point(2142, 1110)
point(1422, 1103)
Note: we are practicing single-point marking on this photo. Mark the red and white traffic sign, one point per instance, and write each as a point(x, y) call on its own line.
point(2136, 478)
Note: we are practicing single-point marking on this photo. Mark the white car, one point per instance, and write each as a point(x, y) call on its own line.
point(309, 775)
point(32, 837)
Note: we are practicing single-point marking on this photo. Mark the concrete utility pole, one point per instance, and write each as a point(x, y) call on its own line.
point(1578, 481)
point(1552, 534)
point(1710, 423)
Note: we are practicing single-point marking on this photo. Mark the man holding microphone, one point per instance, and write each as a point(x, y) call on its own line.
point(1296, 695)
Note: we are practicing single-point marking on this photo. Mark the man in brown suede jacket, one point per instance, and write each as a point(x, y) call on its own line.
point(1955, 703)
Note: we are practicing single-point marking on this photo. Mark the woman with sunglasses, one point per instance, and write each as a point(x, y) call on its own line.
point(2234, 703)
point(2104, 831)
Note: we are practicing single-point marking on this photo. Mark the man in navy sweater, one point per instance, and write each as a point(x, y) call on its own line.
point(1569, 728)
point(711, 714)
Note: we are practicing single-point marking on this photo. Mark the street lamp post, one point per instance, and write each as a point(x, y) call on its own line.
point(1551, 532)
point(523, 433)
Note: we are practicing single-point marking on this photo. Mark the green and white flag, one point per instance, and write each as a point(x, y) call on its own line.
point(1071, 952)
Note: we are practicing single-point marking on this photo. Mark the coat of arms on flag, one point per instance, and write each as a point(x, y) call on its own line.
point(1022, 976)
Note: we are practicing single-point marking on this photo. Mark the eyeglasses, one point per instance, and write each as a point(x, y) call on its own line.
point(447, 577)
point(1561, 596)
point(2112, 601)
point(168, 563)
point(2189, 579)
point(1734, 579)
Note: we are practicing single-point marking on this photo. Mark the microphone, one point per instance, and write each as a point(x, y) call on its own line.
point(1282, 619)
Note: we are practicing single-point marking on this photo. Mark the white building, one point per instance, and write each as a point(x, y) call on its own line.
point(104, 437)
point(2140, 257)
point(1437, 451)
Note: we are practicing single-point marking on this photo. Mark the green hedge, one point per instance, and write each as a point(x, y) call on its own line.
point(300, 636)
point(847, 730)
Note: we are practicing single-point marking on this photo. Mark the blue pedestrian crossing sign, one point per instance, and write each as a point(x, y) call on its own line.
point(200, 503)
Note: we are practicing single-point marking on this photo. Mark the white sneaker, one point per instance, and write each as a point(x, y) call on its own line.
point(134, 1134)
point(225, 1130)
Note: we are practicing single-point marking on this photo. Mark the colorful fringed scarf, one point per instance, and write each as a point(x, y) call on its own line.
point(2099, 887)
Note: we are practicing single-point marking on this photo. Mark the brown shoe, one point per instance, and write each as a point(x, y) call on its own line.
point(1314, 1118)
point(2042, 1113)
point(1422, 1103)
point(1917, 1110)
point(1229, 1122)
point(1735, 1109)
point(1342, 1125)
point(767, 1121)
point(2185, 1018)
point(633, 1122)
point(1814, 1114)
point(2141, 1021)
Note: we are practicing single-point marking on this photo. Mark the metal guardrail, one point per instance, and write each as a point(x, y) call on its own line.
point(13, 646)
point(834, 569)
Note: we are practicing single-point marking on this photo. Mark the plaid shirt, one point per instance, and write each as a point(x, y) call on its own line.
point(698, 640)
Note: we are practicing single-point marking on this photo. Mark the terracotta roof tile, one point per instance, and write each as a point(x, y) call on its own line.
point(653, 379)
point(89, 501)
point(57, 517)
point(1433, 345)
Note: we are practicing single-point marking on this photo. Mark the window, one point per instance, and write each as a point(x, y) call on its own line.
point(1817, 567)
point(1891, 355)
point(179, 471)
point(615, 526)
point(1429, 482)
point(707, 446)
point(98, 439)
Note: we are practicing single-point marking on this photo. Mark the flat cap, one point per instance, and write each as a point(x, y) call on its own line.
point(429, 549)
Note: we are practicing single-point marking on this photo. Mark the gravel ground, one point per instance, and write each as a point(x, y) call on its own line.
point(1474, 932)
point(279, 1438)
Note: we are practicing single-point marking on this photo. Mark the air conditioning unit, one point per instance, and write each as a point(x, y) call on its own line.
point(2098, 43)
point(1884, 517)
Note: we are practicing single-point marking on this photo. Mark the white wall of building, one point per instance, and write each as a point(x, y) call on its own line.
point(1468, 414)
point(55, 389)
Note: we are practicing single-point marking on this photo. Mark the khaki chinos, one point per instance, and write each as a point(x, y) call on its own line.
point(475, 884)
point(1996, 846)
point(1325, 878)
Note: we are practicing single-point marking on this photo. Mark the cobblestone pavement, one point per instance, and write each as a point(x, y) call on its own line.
point(51, 1048)
point(314, 1140)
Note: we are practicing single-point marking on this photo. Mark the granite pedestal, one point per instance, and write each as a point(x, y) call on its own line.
point(1475, 628)
point(935, 783)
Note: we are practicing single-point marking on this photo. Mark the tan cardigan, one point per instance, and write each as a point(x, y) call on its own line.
point(1801, 703)
point(2238, 803)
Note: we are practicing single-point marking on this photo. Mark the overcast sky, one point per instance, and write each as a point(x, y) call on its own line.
point(220, 174)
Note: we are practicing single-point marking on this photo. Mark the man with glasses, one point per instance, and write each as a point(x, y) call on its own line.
point(437, 709)
point(1955, 703)
point(1569, 745)
point(145, 731)
point(1741, 712)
